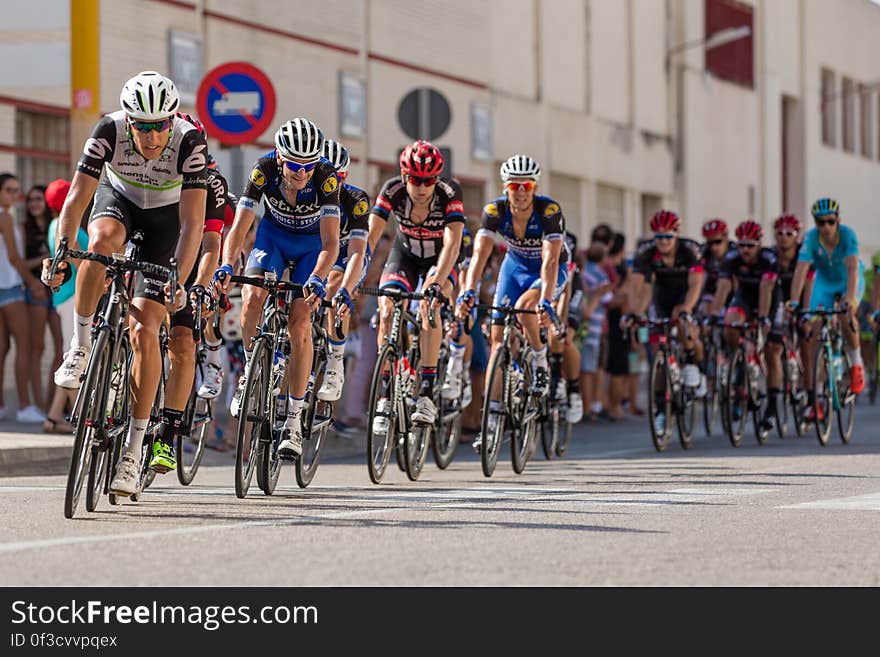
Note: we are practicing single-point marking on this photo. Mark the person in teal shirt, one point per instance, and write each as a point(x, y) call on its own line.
point(833, 250)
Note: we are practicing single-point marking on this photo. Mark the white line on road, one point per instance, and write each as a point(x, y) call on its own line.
point(869, 502)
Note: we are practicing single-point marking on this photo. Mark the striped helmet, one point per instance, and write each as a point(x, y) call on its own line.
point(421, 159)
point(665, 220)
point(714, 228)
point(789, 220)
point(189, 118)
point(825, 206)
point(520, 166)
point(749, 230)
point(337, 154)
point(299, 139)
point(149, 96)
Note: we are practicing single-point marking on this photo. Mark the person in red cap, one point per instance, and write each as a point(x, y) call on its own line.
point(56, 192)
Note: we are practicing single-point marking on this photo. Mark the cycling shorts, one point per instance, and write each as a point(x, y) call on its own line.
point(516, 277)
point(276, 249)
point(404, 270)
point(824, 291)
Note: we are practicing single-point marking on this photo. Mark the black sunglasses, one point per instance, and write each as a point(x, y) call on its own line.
point(714, 242)
point(826, 222)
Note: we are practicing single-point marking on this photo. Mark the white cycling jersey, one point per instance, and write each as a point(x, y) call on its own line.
point(146, 183)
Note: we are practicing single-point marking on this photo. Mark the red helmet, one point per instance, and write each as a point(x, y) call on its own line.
point(665, 220)
point(191, 119)
point(421, 159)
point(750, 231)
point(787, 220)
point(714, 228)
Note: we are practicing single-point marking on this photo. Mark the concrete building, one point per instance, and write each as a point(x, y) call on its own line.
point(621, 100)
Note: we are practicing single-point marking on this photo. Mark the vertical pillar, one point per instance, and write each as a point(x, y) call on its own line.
point(85, 71)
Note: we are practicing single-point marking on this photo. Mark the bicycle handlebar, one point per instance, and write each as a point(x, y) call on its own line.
point(402, 295)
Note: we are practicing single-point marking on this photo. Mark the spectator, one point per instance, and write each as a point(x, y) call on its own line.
point(618, 348)
point(41, 310)
point(13, 309)
point(62, 301)
point(597, 291)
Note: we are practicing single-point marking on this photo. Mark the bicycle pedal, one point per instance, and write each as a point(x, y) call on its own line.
point(161, 469)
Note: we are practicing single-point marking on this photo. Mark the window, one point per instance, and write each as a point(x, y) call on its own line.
point(829, 105)
point(865, 113)
point(732, 61)
point(849, 115)
point(43, 147)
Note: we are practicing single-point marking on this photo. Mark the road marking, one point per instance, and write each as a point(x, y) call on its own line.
point(869, 502)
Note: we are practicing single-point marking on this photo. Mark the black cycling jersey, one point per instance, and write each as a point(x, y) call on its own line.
point(670, 283)
point(421, 240)
point(748, 276)
point(546, 223)
point(147, 184)
point(218, 199)
point(712, 266)
point(317, 200)
point(786, 274)
point(355, 206)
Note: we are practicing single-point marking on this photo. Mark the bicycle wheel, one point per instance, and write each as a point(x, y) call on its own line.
point(564, 437)
point(736, 398)
point(89, 419)
point(822, 404)
point(316, 421)
point(659, 401)
point(757, 396)
point(416, 449)
point(491, 442)
point(686, 416)
point(846, 400)
point(252, 423)
point(447, 435)
point(382, 387)
point(191, 447)
point(710, 401)
point(525, 418)
point(548, 424)
point(783, 400)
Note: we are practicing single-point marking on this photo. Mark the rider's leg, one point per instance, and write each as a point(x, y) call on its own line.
point(178, 384)
point(528, 301)
point(213, 375)
point(334, 376)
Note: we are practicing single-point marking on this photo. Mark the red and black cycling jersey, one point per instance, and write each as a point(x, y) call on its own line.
point(217, 205)
point(423, 240)
point(354, 204)
point(712, 267)
point(748, 276)
point(546, 223)
point(306, 208)
point(670, 283)
point(146, 183)
point(786, 274)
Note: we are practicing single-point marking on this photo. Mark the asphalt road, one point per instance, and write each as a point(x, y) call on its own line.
point(612, 512)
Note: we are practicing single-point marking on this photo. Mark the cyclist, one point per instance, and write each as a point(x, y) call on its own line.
point(754, 271)
point(181, 346)
point(533, 274)
point(833, 250)
point(460, 343)
point(154, 182)
point(350, 268)
point(671, 267)
point(300, 228)
point(566, 361)
point(715, 249)
point(430, 220)
point(867, 313)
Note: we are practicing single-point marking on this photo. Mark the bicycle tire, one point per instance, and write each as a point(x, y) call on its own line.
point(736, 373)
point(686, 417)
point(416, 449)
point(549, 428)
point(251, 423)
point(197, 438)
point(846, 402)
point(490, 445)
point(314, 440)
point(710, 401)
point(565, 438)
point(784, 400)
point(121, 413)
point(658, 374)
point(757, 395)
point(379, 447)
point(90, 414)
point(523, 434)
point(822, 402)
point(447, 435)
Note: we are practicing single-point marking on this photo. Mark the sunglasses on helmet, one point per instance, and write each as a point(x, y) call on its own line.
point(296, 167)
point(149, 126)
point(419, 181)
point(527, 186)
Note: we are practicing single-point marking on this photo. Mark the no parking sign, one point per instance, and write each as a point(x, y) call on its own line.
point(236, 102)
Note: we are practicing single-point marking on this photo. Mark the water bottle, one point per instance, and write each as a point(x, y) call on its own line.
point(674, 370)
point(278, 371)
point(517, 378)
point(838, 366)
point(792, 369)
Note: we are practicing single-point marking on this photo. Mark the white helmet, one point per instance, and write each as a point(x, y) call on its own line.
point(337, 154)
point(299, 139)
point(520, 166)
point(149, 96)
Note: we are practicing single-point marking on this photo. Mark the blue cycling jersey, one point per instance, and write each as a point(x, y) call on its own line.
point(830, 266)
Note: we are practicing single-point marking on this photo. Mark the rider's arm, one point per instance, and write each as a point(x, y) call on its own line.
point(483, 246)
point(329, 246)
point(852, 281)
point(798, 280)
point(549, 266)
point(449, 251)
point(765, 293)
point(354, 268)
point(210, 256)
point(640, 291)
point(244, 219)
point(192, 224)
point(695, 287)
point(722, 291)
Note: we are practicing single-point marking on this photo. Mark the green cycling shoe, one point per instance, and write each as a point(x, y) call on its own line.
point(163, 457)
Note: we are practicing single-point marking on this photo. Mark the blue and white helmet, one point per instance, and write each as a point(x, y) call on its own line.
point(299, 139)
point(337, 154)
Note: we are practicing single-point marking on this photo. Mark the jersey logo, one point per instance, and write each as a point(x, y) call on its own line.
point(491, 209)
point(260, 255)
point(96, 148)
point(258, 178)
point(454, 206)
point(361, 208)
point(550, 210)
point(195, 162)
point(330, 185)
